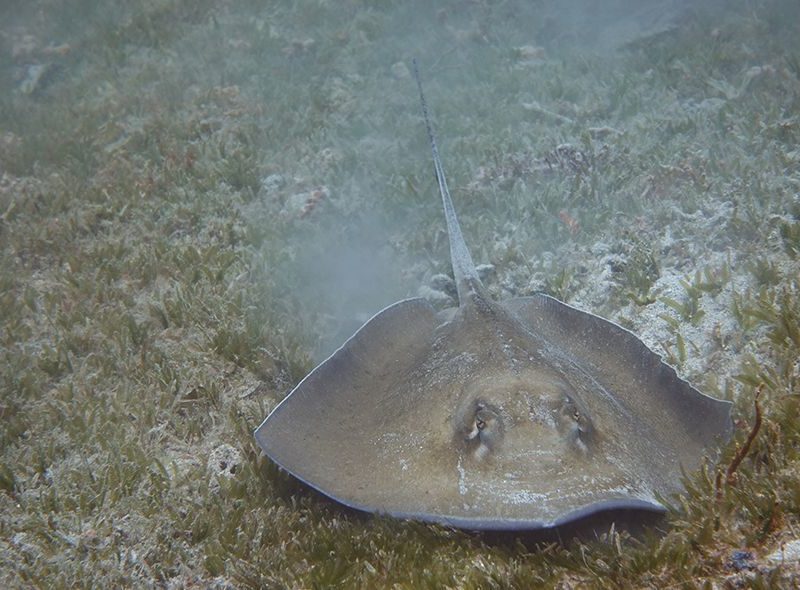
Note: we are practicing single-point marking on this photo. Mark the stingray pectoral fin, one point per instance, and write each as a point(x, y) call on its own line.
point(683, 422)
point(323, 430)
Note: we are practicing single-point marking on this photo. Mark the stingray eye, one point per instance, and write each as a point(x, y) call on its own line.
point(576, 415)
point(480, 424)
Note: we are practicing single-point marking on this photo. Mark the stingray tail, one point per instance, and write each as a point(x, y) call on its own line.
point(464, 272)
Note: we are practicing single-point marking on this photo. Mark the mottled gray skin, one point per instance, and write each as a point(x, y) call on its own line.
point(512, 415)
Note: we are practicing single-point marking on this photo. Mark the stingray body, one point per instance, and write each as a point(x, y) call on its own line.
point(513, 415)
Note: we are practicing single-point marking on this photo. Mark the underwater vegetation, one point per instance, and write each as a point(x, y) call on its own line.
point(169, 169)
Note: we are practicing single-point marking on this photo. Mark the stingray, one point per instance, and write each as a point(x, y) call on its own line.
point(520, 414)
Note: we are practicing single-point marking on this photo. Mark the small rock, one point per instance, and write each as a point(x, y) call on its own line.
point(445, 284)
point(485, 271)
point(530, 52)
point(400, 71)
point(272, 183)
point(33, 77)
point(787, 552)
point(434, 296)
